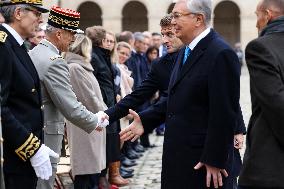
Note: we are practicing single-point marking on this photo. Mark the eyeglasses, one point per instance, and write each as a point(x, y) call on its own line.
point(177, 15)
point(35, 12)
point(109, 41)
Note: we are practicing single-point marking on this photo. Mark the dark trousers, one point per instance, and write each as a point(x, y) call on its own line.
point(15, 181)
point(90, 181)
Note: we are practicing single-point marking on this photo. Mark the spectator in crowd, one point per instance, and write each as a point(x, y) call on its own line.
point(263, 165)
point(239, 52)
point(127, 36)
point(202, 108)
point(58, 97)
point(157, 41)
point(34, 41)
point(91, 148)
point(26, 157)
point(103, 71)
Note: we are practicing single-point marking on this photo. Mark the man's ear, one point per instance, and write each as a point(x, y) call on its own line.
point(269, 15)
point(18, 13)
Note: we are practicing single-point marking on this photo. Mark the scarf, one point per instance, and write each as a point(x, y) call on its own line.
point(275, 26)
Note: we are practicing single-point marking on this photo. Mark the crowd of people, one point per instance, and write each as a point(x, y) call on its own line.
point(106, 92)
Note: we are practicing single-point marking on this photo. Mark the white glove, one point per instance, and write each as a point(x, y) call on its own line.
point(102, 119)
point(41, 162)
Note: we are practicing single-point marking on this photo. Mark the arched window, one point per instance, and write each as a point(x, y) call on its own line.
point(227, 21)
point(91, 14)
point(134, 17)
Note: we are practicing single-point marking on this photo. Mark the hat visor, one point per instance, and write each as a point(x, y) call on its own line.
point(40, 8)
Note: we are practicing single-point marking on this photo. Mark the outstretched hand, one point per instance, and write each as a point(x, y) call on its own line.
point(134, 130)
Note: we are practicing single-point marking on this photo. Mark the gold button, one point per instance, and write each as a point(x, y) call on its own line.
point(33, 90)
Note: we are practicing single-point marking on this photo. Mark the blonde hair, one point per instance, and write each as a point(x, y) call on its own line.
point(123, 44)
point(113, 52)
point(82, 46)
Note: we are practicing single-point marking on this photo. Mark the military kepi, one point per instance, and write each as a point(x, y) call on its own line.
point(65, 19)
point(33, 3)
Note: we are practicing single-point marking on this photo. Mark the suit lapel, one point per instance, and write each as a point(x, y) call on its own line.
point(182, 70)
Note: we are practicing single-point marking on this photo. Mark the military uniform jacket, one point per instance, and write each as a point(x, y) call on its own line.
point(58, 98)
point(22, 118)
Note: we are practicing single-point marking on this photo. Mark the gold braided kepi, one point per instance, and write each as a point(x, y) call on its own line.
point(34, 3)
point(65, 19)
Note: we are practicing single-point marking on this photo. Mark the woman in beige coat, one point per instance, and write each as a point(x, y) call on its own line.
point(88, 151)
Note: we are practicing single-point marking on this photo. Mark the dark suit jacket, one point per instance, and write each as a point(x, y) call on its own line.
point(202, 112)
point(157, 79)
point(21, 105)
point(264, 157)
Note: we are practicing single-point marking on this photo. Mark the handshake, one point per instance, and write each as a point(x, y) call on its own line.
point(102, 120)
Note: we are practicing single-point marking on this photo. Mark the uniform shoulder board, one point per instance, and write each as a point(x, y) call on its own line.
point(56, 57)
point(3, 36)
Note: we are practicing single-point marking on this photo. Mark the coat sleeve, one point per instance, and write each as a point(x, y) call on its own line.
point(132, 101)
point(224, 92)
point(267, 85)
point(57, 83)
point(154, 115)
point(24, 143)
point(83, 88)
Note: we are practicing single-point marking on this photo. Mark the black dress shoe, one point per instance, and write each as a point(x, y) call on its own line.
point(127, 162)
point(125, 174)
point(137, 153)
point(130, 155)
point(138, 148)
point(126, 170)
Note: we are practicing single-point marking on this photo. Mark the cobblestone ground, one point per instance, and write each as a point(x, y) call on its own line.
point(147, 172)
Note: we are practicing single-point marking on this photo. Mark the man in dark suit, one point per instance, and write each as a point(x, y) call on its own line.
point(202, 106)
point(157, 79)
point(26, 158)
point(263, 166)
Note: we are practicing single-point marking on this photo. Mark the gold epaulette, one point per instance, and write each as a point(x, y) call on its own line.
point(29, 147)
point(56, 57)
point(3, 36)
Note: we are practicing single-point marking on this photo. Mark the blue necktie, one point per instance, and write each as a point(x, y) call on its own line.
point(186, 54)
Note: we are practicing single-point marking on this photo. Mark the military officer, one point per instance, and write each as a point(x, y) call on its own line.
point(58, 98)
point(26, 158)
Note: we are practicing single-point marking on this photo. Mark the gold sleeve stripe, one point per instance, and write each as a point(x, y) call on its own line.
point(27, 150)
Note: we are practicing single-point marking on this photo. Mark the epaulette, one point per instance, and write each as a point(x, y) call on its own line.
point(3, 36)
point(56, 57)
point(27, 150)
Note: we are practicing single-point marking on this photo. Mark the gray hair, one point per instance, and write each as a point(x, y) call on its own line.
point(202, 7)
point(51, 29)
point(8, 12)
point(138, 36)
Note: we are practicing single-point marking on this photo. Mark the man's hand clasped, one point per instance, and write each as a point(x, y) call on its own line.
point(102, 120)
point(134, 130)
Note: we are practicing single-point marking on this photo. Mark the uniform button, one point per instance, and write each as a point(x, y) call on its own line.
point(1, 140)
point(42, 107)
point(2, 160)
point(170, 115)
point(33, 90)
